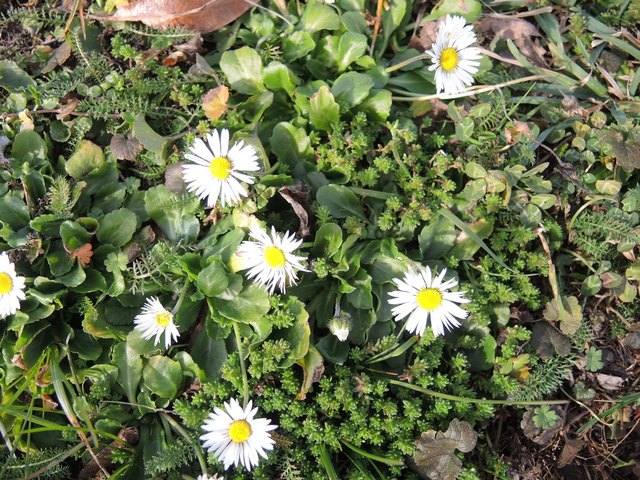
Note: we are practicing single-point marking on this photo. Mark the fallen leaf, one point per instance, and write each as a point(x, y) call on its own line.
point(199, 15)
point(68, 108)
point(625, 150)
point(59, 56)
point(571, 448)
point(174, 179)
point(518, 30)
point(214, 102)
point(125, 148)
point(513, 133)
point(609, 382)
point(83, 254)
point(296, 196)
point(174, 58)
point(567, 311)
point(632, 340)
point(435, 456)
point(547, 340)
point(313, 366)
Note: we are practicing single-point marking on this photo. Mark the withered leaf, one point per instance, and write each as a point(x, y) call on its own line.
point(198, 15)
point(435, 456)
point(313, 366)
point(174, 179)
point(59, 56)
point(518, 30)
point(214, 102)
point(125, 148)
point(571, 448)
point(547, 340)
point(296, 196)
point(83, 254)
point(609, 382)
point(68, 108)
point(625, 150)
point(567, 311)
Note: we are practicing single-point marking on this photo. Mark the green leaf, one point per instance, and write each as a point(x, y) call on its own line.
point(544, 417)
point(243, 69)
point(318, 16)
point(378, 105)
point(324, 112)
point(74, 235)
point(297, 45)
point(593, 359)
point(209, 354)
point(340, 201)
point(278, 76)
point(28, 147)
point(175, 218)
point(212, 280)
point(162, 376)
point(248, 306)
point(87, 158)
point(12, 78)
point(352, 88)
point(351, 47)
point(152, 141)
point(437, 238)
point(297, 334)
point(290, 144)
point(469, 9)
point(117, 228)
point(129, 366)
point(14, 212)
point(327, 241)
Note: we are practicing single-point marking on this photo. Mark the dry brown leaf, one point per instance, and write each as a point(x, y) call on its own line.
point(60, 55)
point(513, 133)
point(68, 108)
point(609, 382)
point(518, 30)
point(125, 148)
point(83, 254)
point(296, 196)
point(174, 58)
point(571, 448)
point(214, 102)
point(198, 15)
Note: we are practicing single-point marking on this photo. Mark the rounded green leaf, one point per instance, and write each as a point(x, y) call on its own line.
point(118, 227)
point(87, 158)
point(243, 69)
point(212, 280)
point(324, 112)
point(162, 376)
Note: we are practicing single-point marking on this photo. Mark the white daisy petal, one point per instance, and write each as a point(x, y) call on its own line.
point(454, 58)
point(155, 320)
point(217, 170)
point(11, 287)
point(270, 259)
point(423, 297)
point(235, 437)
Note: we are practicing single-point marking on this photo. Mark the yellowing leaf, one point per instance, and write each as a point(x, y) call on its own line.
point(214, 102)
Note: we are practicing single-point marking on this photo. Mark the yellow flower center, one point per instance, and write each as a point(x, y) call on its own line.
point(449, 59)
point(163, 319)
point(220, 168)
point(274, 257)
point(429, 298)
point(240, 431)
point(6, 284)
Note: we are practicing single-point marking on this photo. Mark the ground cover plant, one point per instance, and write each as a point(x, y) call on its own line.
point(346, 239)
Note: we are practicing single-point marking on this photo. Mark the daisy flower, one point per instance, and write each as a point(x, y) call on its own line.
point(235, 436)
point(11, 287)
point(422, 297)
point(454, 58)
point(216, 173)
point(270, 259)
point(155, 320)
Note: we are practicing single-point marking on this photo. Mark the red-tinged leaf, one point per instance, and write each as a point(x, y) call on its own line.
point(198, 15)
point(83, 254)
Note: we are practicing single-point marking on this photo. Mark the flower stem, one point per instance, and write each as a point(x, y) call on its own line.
point(406, 62)
point(243, 368)
point(482, 401)
point(183, 294)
